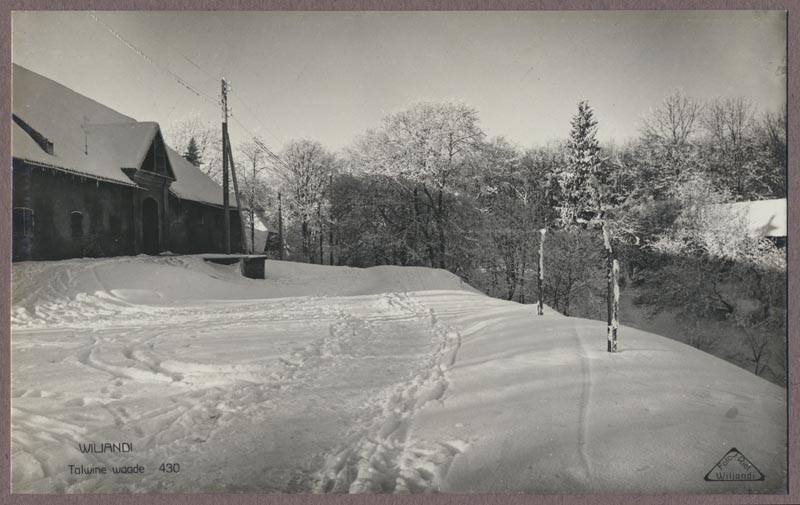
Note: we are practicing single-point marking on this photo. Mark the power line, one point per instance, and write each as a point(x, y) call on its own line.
point(150, 61)
point(235, 96)
point(213, 76)
point(261, 145)
point(245, 107)
point(183, 82)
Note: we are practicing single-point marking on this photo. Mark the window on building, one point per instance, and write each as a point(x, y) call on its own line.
point(23, 222)
point(76, 224)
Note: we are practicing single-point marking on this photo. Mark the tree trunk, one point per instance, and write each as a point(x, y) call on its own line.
point(280, 229)
point(612, 292)
point(615, 304)
point(304, 231)
point(252, 230)
point(522, 280)
point(511, 276)
point(330, 245)
point(540, 273)
point(415, 232)
point(321, 235)
point(440, 224)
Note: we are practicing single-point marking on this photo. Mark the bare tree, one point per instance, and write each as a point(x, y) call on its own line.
point(674, 121)
point(773, 160)
point(668, 142)
point(254, 188)
point(729, 124)
point(304, 174)
point(207, 137)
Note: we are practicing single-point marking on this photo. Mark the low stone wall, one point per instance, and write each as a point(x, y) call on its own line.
point(251, 266)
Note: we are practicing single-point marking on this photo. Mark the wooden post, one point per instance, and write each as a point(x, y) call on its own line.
point(238, 199)
point(540, 305)
point(253, 214)
point(612, 292)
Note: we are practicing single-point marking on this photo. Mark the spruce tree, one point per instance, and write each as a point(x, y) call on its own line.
point(192, 154)
point(578, 180)
point(587, 193)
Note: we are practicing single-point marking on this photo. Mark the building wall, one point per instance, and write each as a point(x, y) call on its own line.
point(197, 228)
point(110, 218)
point(106, 215)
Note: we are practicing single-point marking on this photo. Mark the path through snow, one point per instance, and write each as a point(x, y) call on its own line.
point(329, 379)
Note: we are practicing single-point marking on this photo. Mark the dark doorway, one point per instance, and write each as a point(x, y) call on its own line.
point(150, 226)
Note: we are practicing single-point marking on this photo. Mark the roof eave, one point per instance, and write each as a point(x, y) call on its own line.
point(76, 172)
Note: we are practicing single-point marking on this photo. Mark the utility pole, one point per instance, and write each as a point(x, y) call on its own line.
point(252, 211)
point(242, 232)
point(225, 190)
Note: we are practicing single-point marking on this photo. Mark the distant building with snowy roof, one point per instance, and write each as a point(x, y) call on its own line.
point(765, 218)
point(89, 181)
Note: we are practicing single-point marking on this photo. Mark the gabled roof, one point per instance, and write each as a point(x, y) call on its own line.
point(121, 145)
point(190, 187)
point(91, 139)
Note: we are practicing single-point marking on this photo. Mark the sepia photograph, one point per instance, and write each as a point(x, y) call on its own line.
point(383, 252)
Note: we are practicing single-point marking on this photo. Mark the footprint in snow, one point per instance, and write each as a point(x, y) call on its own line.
point(75, 402)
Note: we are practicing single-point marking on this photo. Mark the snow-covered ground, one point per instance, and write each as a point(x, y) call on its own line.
point(332, 379)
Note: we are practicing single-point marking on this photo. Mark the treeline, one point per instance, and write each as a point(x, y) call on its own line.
point(427, 187)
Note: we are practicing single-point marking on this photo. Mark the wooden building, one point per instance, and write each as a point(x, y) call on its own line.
point(763, 218)
point(91, 182)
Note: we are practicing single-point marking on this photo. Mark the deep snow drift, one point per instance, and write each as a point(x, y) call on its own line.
point(332, 379)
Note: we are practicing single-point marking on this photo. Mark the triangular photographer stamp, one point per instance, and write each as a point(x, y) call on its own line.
point(734, 466)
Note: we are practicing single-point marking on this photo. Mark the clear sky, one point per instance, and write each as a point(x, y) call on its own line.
point(332, 75)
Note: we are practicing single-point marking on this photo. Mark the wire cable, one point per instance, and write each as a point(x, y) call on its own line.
point(180, 80)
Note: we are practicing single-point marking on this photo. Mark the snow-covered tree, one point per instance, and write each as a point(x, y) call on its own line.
point(426, 147)
point(192, 153)
point(208, 139)
point(587, 194)
point(668, 150)
point(253, 184)
point(712, 265)
point(304, 175)
point(578, 181)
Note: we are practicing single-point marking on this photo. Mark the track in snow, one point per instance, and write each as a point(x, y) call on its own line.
point(259, 393)
point(329, 379)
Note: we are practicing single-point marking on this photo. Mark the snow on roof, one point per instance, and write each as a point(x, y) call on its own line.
point(191, 183)
point(765, 218)
point(122, 145)
point(91, 139)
